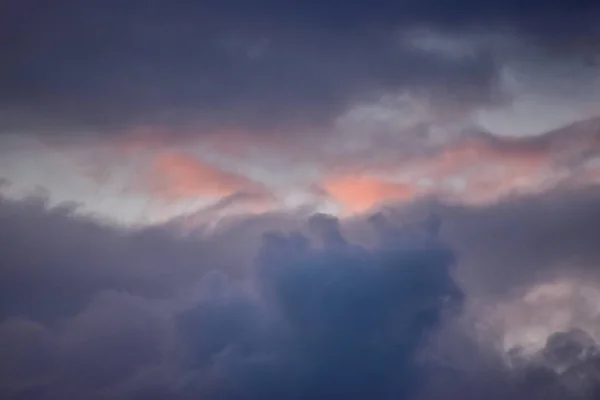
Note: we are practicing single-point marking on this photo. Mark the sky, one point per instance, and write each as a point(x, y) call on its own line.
point(260, 199)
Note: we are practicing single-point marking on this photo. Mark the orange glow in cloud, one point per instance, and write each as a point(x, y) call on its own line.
point(484, 172)
point(179, 176)
point(358, 194)
point(489, 172)
point(477, 154)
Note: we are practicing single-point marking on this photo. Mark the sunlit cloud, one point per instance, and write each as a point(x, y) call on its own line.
point(360, 193)
point(475, 171)
point(181, 176)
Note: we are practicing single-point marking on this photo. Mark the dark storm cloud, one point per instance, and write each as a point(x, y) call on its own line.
point(510, 244)
point(527, 239)
point(335, 319)
point(351, 321)
point(54, 262)
point(92, 311)
point(566, 367)
point(262, 65)
point(111, 341)
point(86, 308)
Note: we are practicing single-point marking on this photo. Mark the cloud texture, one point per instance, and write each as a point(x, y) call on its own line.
point(96, 311)
point(458, 142)
point(265, 65)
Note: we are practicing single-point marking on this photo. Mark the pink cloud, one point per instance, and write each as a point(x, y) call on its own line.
point(360, 193)
point(177, 176)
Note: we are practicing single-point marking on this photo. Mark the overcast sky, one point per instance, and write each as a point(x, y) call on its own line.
point(230, 199)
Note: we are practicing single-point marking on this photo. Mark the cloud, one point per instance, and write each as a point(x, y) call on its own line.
point(565, 368)
point(180, 176)
point(528, 268)
point(350, 321)
point(95, 323)
point(477, 169)
point(277, 305)
point(472, 172)
point(359, 194)
point(59, 255)
point(403, 109)
point(116, 335)
point(279, 67)
point(286, 86)
point(542, 236)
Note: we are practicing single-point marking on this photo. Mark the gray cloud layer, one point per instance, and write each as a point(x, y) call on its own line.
point(92, 311)
point(258, 65)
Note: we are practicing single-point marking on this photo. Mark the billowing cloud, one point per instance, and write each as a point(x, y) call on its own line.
point(352, 320)
point(295, 328)
point(54, 261)
point(284, 307)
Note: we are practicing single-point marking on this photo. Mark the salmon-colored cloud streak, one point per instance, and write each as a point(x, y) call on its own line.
point(177, 176)
point(360, 193)
point(476, 171)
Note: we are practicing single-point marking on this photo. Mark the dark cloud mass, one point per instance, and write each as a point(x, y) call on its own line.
point(335, 320)
point(258, 65)
point(352, 321)
point(99, 312)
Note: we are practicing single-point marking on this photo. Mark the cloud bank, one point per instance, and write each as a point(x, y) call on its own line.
point(271, 66)
point(278, 306)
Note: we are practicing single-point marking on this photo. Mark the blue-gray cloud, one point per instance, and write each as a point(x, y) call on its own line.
point(257, 65)
point(349, 321)
point(248, 311)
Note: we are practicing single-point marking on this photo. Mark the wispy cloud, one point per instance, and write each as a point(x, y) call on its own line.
point(177, 176)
